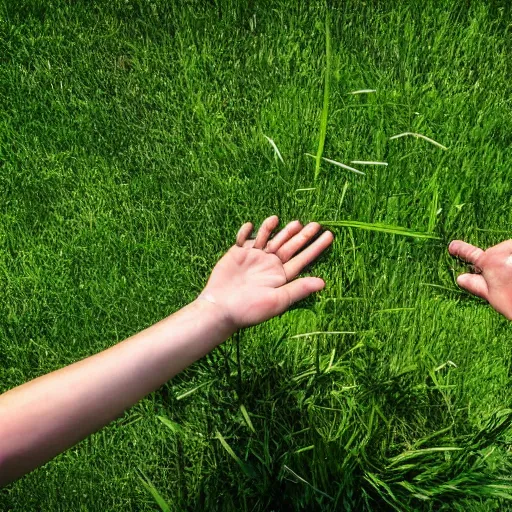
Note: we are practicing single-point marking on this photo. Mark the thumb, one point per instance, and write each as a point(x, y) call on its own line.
point(297, 290)
point(475, 284)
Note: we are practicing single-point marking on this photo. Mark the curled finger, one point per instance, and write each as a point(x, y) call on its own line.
point(243, 233)
point(265, 230)
point(464, 251)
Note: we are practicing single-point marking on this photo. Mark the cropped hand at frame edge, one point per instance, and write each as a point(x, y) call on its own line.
point(255, 280)
point(492, 279)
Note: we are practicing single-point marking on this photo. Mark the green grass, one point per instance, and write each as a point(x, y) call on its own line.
point(325, 108)
point(132, 148)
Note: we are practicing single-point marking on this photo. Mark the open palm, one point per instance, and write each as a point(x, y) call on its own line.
point(255, 279)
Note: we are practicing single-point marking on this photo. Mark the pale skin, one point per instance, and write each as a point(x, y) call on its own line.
point(492, 277)
point(253, 282)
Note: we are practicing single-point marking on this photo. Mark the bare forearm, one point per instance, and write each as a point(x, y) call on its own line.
point(252, 282)
point(43, 417)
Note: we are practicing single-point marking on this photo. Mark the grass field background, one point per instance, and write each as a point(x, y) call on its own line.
point(132, 148)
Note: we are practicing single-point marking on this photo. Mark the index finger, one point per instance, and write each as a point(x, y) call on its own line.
point(465, 251)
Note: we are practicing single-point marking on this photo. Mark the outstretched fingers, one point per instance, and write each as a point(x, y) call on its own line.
point(290, 230)
point(297, 242)
point(293, 267)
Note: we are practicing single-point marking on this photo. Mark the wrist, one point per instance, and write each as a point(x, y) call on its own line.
point(207, 302)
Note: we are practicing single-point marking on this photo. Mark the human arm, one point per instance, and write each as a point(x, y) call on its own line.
point(250, 284)
point(491, 278)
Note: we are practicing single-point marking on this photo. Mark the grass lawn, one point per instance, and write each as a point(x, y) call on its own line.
point(132, 148)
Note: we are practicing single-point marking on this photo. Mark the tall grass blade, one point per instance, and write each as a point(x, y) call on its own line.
point(247, 419)
point(339, 164)
point(383, 228)
point(325, 108)
point(146, 482)
point(300, 479)
point(245, 467)
point(441, 287)
point(434, 211)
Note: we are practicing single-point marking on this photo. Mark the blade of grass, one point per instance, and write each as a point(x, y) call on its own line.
point(383, 228)
point(420, 136)
point(276, 150)
point(339, 164)
point(325, 108)
point(319, 332)
point(245, 467)
point(174, 427)
point(247, 419)
point(193, 390)
point(434, 210)
point(441, 287)
point(300, 479)
point(146, 482)
point(305, 449)
point(367, 162)
point(412, 454)
point(363, 91)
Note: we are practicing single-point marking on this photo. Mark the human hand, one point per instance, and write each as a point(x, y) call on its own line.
point(254, 280)
point(492, 279)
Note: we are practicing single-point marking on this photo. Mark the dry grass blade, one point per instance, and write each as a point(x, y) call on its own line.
point(339, 164)
point(276, 149)
point(363, 91)
point(367, 162)
point(419, 136)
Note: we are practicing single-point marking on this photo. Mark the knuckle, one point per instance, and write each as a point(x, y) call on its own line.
point(476, 254)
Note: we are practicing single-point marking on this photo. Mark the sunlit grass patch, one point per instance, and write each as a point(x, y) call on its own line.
point(137, 137)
